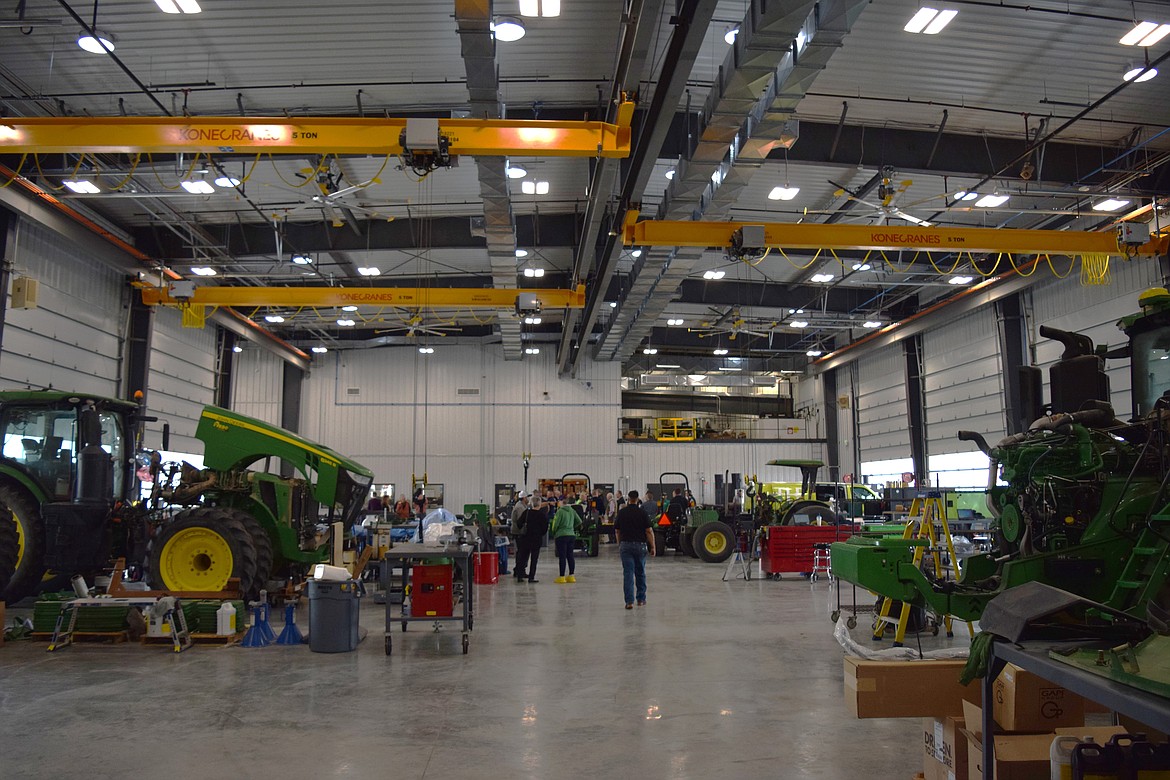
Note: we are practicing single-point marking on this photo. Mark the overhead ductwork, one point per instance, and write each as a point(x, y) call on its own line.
point(780, 50)
point(473, 18)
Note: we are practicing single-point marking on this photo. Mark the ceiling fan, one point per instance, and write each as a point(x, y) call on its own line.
point(415, 325)
point(888, 192)
point(333, 200)
point(732, 322)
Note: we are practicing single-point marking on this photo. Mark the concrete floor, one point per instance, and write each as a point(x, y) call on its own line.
point(710, 679)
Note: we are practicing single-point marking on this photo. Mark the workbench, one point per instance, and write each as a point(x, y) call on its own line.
point(1033, 656)
point(405, 556)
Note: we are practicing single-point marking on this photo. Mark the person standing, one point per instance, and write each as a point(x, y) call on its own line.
point(420, 503)
point(635, 535)
point(402, 509)
point(566, 523)
point(534, 527)
point(516, 528)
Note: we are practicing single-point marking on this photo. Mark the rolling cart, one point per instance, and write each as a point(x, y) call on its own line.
point(425, 556)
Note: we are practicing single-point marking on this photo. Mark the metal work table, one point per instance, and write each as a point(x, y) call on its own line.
point(1151, 710)
point(406, 555)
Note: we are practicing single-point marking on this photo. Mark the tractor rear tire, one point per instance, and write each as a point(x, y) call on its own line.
point(659, 543)
point(8, 550)
point(714, 541)
point(812, 513)
point(260, 541)
point(200, 550)
point(30, 545)
point(686, 542)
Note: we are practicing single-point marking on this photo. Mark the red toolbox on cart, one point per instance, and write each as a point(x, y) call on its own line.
point(431, 594)
point(789, 548)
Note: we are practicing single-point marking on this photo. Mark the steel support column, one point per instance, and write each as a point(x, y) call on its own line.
point(136, 354)
point(225, 371)
point(1013, 345)
point(832, 430)
point(916, 407)
point(292, 382)
point(7, 252)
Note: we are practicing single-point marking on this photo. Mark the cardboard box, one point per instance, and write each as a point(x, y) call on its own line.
point(1019, 756)
point(944, 747)
point(906, 689)
point(1025, 702)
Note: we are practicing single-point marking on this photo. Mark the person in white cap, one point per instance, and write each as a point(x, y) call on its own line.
point(517, 528)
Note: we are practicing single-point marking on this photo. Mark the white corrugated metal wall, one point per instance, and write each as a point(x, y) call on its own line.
point(72, 340)
point(182, 379)
point(1093, 311)
point(963, 382)
point(258, 385)
point(882, 419)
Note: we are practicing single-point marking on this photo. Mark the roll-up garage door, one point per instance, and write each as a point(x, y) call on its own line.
point(182, 379)
point(71, 339)
point(881, 406)
point(962, 381)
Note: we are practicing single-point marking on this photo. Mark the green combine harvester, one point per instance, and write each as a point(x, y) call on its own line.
point(1080, 500)
point(69, 497)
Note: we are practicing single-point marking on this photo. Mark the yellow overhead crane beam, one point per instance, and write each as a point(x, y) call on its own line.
point(310, 135)
point(885, 237)
point(403, 297)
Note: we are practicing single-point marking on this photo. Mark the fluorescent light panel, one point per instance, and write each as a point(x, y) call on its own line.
point(783, 193)
point(534, 187)
point(178, 6)
point(320, 350)
point(540, 7)
point(1146, 34)
point(991, 201)
point(929, 21)
point(1112, 204)
point(82, 187)
point(198, 187)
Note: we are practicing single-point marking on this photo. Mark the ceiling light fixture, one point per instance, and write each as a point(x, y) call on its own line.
point(799, 323)
point(730, 368)
point(965, 195)
point(871, 324)
point(991, 201)
point(274, 318)
point(718, 352)
point(346, 323)
point(369, 271)
point(349, 308)
point(203, 270)
point(532, 320)
point(667, 365)
point(237, 349)
point(227, 181)
point(540, 7)
point(670, 174)
point(531, 350)
point(822, 278)
point(649, 351)
point(929, 21)
point(82, 186)
point(796, 311)
point(198, 187)
point(98, 43)
point(960, 280)
point(515, 172)
point(814, 352)
point(320, 350)
point(1111, 204)
point(426, 350)
point(301, 259)
point(534, 273)
point(1145, 34)
point(613, 304)
point(783, 193)
point(714, 275)
point(861, 266)
point(521, 253)
point(730, 35)
point(534, 187)
point(178, 6)
point(636, 253)
point(507, 29)
point(1137, 72)
point(674, 322)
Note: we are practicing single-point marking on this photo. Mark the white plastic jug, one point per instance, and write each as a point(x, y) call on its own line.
point(1060, 757)
point(225, 619)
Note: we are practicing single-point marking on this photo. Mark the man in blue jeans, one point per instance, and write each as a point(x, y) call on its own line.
point(635, 535)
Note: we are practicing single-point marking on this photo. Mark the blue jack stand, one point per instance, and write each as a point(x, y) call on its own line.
point(265, 626)
point(291, 635)
point(256, 636)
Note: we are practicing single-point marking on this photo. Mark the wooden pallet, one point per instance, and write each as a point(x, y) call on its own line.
point(198, 639)
point(114, 637)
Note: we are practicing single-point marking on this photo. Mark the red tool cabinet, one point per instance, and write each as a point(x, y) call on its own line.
point(789, 548)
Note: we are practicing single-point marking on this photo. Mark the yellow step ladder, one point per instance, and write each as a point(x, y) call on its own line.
point(926, 517)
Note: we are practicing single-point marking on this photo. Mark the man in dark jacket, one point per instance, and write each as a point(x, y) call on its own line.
point(635, 534)
point(534, 523)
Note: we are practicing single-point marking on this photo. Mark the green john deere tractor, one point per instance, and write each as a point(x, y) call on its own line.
point(67, 479)
point(805, 509)
point(1081, 500)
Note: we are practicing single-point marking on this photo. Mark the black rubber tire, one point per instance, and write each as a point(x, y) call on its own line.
point(595, 546)
point(30, 562)
point(217, 520)
point(659, 543)
point(8, 551)
point(814, 512)
point(686, 542)
point(389, 644)
point(260, 541)
point(466, 644)
point(712, 552)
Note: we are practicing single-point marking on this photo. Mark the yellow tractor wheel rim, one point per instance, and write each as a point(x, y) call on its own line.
point(714, 543)
point(196, 559)
point(19, 539)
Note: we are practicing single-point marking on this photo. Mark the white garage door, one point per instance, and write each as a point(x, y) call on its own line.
point(182, 379)
point(963, 382)
point(881, 406)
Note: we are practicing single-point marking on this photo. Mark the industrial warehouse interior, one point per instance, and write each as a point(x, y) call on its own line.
point(566, 388)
